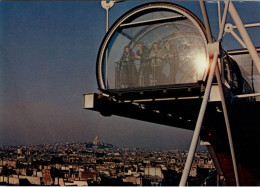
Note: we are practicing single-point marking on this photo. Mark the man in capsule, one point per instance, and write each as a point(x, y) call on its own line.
point(145, 68)
point(156, 63)
point(168, 68)
point(127, 69)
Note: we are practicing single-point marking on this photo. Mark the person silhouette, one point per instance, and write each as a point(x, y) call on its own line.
point(128, 70)
point(145, 68)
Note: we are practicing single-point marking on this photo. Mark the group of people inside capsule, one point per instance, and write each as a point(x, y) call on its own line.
point(156, 66)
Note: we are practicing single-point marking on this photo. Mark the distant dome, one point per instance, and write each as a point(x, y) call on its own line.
point(96, 141)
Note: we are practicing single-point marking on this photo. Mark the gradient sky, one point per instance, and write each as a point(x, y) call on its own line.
point(48, 58)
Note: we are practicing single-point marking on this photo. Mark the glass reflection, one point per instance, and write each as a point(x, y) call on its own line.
point(156, 54)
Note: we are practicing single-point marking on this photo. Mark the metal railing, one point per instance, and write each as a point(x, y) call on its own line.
point(150, 72)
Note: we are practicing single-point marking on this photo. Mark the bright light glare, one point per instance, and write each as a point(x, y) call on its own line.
point(201, 64)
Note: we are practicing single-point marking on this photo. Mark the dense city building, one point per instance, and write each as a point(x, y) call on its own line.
point(96, 163)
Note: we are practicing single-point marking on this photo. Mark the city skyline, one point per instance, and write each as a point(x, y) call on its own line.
point(92, 144)
point(48, 60)
point(104, 165)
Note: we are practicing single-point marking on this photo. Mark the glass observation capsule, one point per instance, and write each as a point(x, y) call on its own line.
point(153, 45)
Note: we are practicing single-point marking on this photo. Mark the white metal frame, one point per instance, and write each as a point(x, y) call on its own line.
point(246, 42)
point(252, 51)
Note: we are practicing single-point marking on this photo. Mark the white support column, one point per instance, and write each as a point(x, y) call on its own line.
point(243, 32)
point(206, 21)
point(107, 23)
point(219, 14)
point(223, 102)
point(223, 21)
point(214, 67)
point(107, 5)
point(196, 134)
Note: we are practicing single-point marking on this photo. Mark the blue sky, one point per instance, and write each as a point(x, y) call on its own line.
point(48, 58)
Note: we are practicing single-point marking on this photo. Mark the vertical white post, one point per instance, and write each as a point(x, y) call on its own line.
point(107, 5)
point(219, 13)
point(223, 102)
point(206, 21)
point(106, 82)
point(246, 38)
point(223, 21)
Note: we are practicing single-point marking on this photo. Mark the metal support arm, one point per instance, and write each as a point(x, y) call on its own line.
point(243, 32)
point(214, 67)
point(196, 134)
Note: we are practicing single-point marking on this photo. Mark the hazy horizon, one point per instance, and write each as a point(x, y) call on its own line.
point(48, 56)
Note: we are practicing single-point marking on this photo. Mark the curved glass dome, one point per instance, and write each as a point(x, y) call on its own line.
point(153, 45)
